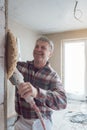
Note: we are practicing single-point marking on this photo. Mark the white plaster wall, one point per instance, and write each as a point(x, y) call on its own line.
point(1, 80)
point(1, 117)
point(27, 39)
point(2, 50)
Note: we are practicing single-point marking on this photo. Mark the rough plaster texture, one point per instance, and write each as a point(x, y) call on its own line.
point(2, 50)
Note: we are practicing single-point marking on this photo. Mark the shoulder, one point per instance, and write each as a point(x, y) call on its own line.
point(24, 64)
point(51, 71)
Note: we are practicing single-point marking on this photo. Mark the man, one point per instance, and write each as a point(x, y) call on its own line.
point(43, 84)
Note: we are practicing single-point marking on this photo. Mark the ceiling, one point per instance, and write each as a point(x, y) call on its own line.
point(49, 16)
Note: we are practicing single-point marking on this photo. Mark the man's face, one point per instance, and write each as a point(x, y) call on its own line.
point(42, 51)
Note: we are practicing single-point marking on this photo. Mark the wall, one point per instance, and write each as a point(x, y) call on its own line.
point(27, 38)
point(57, 38)
point(27, 41)
point(2, 63)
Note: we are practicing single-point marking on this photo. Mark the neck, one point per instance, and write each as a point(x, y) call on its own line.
point(39, 64)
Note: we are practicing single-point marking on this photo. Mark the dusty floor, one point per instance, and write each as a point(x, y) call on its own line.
point(69, 119)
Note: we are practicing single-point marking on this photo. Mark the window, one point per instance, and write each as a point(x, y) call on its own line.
point(74, 67)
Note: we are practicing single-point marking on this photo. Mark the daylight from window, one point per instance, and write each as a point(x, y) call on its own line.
point(74, 69)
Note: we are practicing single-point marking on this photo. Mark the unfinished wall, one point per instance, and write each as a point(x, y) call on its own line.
point(2, 57)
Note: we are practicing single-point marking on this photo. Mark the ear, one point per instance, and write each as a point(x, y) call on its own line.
point(50, 54)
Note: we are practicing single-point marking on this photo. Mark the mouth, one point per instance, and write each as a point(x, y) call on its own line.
point(38, 54)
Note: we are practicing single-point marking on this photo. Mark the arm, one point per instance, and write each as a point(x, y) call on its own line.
point(23, 87)
point(55, 98)
point(16, 78)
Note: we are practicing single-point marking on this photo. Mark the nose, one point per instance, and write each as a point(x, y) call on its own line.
point(38, 49)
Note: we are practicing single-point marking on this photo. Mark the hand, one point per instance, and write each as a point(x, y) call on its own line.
point(26, 89)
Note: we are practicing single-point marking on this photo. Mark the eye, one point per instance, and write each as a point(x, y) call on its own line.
point(43, 48)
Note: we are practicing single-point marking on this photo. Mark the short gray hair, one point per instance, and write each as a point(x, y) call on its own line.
point(45, 39)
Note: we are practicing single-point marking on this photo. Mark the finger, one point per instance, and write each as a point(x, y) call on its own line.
point(22, 88)
point(26, 95)
point(27, 92)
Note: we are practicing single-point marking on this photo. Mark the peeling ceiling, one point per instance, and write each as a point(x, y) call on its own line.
point(49, 16)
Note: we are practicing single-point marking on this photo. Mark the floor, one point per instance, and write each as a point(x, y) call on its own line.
point(72, 118)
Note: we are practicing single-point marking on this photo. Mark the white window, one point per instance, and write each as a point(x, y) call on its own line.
point(74, 67)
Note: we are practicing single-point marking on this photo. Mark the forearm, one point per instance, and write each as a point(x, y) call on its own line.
point(53, 99)
point(16, 78)
point(25, 89)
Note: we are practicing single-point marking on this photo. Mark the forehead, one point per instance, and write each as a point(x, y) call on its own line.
point(42, 43)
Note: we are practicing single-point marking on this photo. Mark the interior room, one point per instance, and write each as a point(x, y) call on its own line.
point(65, 23)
